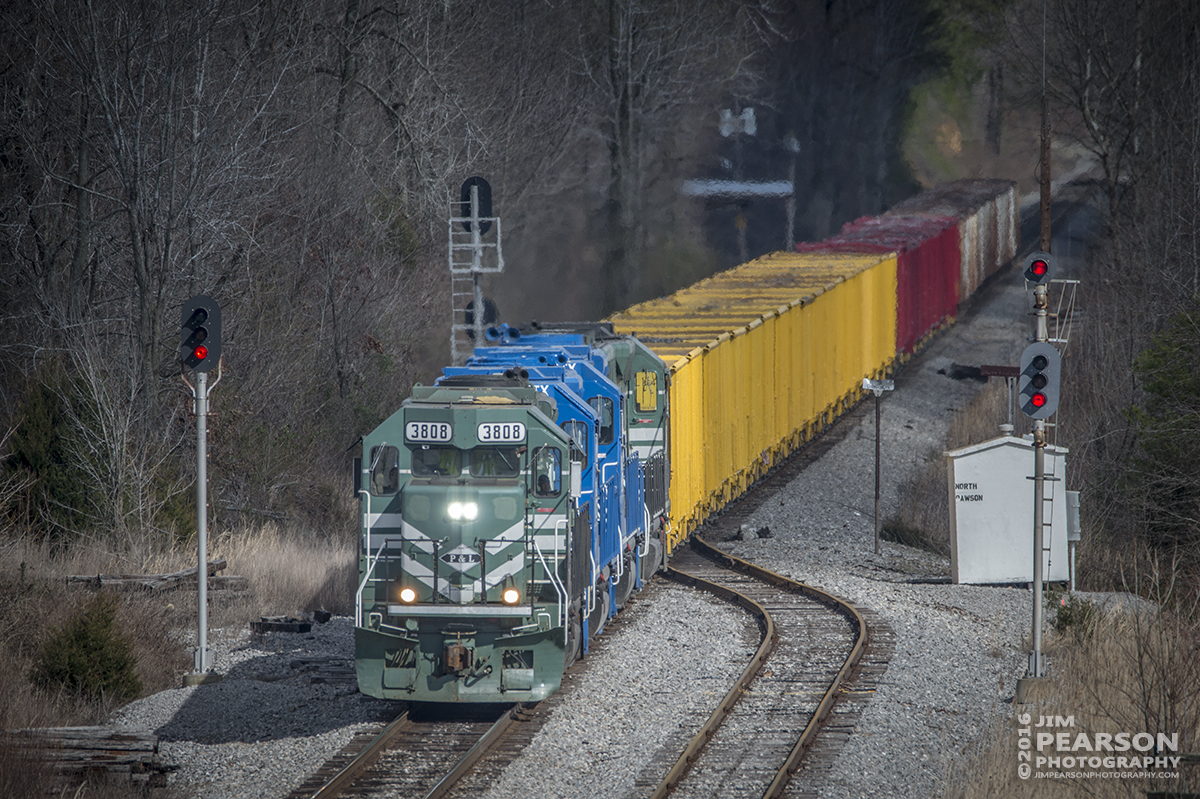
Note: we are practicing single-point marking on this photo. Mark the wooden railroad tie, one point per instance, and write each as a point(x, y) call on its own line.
point(76, 752)
point(161, 582)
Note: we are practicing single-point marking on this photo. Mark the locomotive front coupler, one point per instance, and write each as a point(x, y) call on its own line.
point(458, 657)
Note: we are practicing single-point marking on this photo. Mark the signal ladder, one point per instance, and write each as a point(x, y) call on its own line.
point(474, 250)
point(1061, 320)
point(1051, 477)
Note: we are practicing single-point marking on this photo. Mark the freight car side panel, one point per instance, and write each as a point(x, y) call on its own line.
point(928, 267)
point(746, 400)
point(687, 466)
point(986, 211)
point(928, 288)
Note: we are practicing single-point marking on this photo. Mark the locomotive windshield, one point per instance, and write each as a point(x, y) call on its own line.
point(547, 467)
point(436, 462)
point(603, 406)
point(578, 431)
point(495, 462)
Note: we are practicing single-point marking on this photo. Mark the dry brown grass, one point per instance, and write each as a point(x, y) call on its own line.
point(289, 574)
point(1134, 672)
point(34, 603)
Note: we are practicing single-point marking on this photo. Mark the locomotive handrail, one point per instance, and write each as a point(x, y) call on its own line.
point(646, 537)
point(591, 590)
point(358, 595)
point(559, 589)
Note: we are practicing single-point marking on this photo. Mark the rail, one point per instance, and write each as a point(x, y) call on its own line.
point(769, 639)
point(488, 740)
point(346, 780)
point(363, 760)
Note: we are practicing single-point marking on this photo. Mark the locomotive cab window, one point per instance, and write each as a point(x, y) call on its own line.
point(547, 472)
point(495, 462)
point(646, 392)
point(578, 431)
point(603, 406)
point(385, 471)
point(430, 461)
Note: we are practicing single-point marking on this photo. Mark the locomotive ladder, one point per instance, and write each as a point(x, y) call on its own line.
point(473, 251)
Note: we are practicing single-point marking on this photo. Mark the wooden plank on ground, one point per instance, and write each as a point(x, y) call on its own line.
point(117, 750)
point(159, 582)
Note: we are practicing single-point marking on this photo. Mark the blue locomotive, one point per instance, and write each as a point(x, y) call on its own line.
point(508, 511)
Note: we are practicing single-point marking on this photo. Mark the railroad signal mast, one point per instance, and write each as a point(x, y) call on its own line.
point(474, 235)
point(200, 351)
point(1038, 392)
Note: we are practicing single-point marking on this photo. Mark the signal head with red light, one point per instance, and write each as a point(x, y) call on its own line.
point(200, 333)
point(1039, 266)
point(1038, 384)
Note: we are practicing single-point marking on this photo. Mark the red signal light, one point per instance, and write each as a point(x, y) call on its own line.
point(1038, 266)
point(1038, 399)
point(200, 353)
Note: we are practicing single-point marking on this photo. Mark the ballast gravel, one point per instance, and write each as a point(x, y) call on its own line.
point(958, 649)
point(273, 719)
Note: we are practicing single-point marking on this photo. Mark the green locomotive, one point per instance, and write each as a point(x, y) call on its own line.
point(468, 531)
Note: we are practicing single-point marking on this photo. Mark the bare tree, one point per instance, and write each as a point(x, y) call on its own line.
point(138, 148)
point(654, 68)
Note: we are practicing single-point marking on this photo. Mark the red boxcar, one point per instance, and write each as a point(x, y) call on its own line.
point(986, 210)
point(928, 267)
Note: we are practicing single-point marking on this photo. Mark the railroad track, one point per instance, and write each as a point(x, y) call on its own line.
point(413, 756)
point(751, 744)
point(856, 679)
point(804, 674)
point(748, 747)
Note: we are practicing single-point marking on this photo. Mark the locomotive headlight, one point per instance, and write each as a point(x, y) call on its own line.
point(511, 596)
point(408, 595)
point(462, 511)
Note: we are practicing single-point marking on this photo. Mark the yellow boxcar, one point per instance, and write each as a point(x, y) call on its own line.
point(761, 357)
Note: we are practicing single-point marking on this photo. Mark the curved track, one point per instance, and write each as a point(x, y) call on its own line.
point(749, 747)
point(754, 740)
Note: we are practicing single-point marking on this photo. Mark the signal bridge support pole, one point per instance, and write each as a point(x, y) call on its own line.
point(477, 265)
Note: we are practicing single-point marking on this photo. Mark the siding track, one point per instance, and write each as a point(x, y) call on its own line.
point(754, 741)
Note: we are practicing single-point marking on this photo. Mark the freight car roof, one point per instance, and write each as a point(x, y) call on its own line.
point(958, 199)
point(674, 326)
point(882, 234)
